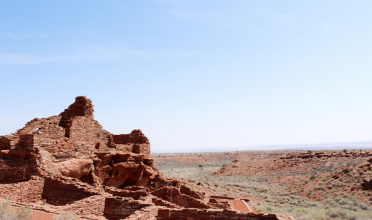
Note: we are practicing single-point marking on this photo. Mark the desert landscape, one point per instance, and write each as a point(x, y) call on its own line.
point(306, 184)
point(185, 110)
point(67, 167)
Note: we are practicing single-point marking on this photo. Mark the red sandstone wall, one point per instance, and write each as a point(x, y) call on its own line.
point(15, 171)
point(83, 133)
point(136, 137)
point(135, 142)
point(28, 191)
point(127, 193)
point(4, 143)
point(192, 192)
point(211, 214)
point(147, 213)
point(120, 207)
point(173, 195)
point(45, 126)
point(16, 165)
point(74, 131)
point(26, 142)
point(81, 107)
point(62, 192)
point(160, 202)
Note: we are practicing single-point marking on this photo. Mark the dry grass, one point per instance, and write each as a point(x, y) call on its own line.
point(65, 216)
point(277, 197)
point(7, 213)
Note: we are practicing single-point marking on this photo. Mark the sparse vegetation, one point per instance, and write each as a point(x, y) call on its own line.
point(65, 216)
point(310, 190)
point(7, 213)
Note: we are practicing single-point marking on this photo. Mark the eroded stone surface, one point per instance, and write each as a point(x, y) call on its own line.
point(69, 161)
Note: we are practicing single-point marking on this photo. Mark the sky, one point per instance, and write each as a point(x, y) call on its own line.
point(195, 75)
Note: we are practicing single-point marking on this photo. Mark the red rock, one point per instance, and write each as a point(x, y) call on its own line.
point(346, 170)
point(365, 164)
point(367, 184)
point(69, 158)
point(76, 168)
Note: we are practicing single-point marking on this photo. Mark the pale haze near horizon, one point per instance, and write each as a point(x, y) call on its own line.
point(193, 75)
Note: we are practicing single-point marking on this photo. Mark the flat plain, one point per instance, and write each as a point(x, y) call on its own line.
point(306, 184)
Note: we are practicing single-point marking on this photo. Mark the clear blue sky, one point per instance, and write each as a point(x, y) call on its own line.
point(194, 75)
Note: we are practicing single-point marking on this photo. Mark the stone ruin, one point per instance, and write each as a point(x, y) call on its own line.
point(67, 158)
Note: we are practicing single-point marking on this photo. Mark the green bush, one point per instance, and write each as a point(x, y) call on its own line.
point(312, 177)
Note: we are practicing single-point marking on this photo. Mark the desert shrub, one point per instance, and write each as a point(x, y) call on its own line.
point(352, 208)
point(321, 188)
point(351, 216)
point(22, 213)
point(309, 151)
point(65, 216)
point(342, 201)
point(344, 150)
point(363, 206)
point(312, 177)
point(337, 214)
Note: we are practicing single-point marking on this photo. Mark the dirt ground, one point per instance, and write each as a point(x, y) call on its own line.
point(328, 187)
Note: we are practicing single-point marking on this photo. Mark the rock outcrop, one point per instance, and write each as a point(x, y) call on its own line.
point(69, 157)
point(75, 145)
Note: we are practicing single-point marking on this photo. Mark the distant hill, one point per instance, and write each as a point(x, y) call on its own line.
point(326, 146)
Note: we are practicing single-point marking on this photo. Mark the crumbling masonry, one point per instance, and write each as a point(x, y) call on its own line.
point(71, 158)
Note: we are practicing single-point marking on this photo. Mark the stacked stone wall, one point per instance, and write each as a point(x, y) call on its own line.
point(135, 142)
point(121, 207)
point(4, 143)
point(148, 213)
point(46, 126)
point(160, 202)
point(210, 214)
point(26, 142)
point(65, 191)
point(28, 191)
point(193, 193)
point(127, 193)
point(130, 138)
point(83, 133)
point(16, 170)
point(173, 195)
